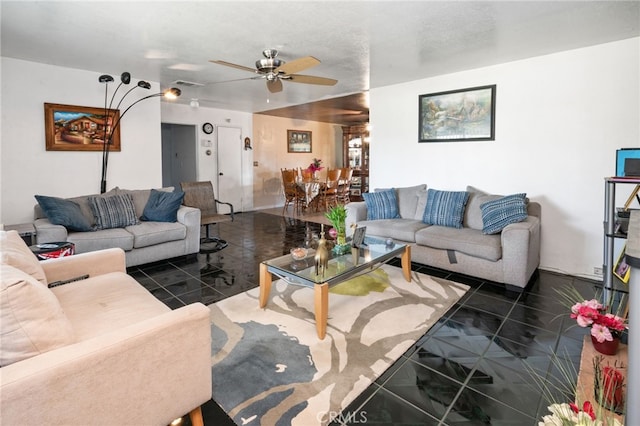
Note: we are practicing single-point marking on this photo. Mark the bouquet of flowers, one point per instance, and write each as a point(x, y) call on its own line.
point(316, 165)
point(608, 392)
point(571, 414)
point(604, 325)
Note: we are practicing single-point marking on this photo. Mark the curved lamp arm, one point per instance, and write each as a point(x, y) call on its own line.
point(125, 79)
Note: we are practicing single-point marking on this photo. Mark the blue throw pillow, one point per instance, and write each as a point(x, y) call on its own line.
point(116, 211)
point(381, 204)
point(162, 206)
point(64, 212)
point(445, 208)
point(499, 213)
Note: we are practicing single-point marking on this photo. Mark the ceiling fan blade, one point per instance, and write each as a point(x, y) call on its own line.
point(297, 65)
point(240, 67)
point(311, 79)
point(274, 86)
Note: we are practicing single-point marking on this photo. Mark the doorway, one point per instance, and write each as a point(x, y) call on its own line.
point(221, 163)
point(230, 187)
point(178, 154)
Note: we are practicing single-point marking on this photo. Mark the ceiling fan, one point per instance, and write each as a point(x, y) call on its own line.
point(274, 70)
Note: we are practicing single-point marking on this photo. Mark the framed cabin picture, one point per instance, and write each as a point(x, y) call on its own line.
point(79, 128)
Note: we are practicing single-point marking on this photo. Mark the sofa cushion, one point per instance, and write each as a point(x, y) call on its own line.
point(141, 197)
point(115, 301)
point(466, 240)
point(422, 203)
point(401, 229)
point(381, 204)
point(497, 214)
point(445, 208)
point(151, 233)
point(472, 212)
point(162, 206)
point(31, 319)
point(16, 253)
point(116, 211)
point(64, 212)
point(102, 239)
point(408, 198)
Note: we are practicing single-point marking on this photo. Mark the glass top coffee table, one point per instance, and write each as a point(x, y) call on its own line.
point(340, 268)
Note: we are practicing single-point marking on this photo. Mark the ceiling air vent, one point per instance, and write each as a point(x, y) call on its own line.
point(186, 83)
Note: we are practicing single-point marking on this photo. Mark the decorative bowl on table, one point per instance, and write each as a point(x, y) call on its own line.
point(299, 253)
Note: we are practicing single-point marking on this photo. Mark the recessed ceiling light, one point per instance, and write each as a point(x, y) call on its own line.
point(186, 67)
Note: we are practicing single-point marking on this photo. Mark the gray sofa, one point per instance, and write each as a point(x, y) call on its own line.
point(145, 242)
point(510, 256)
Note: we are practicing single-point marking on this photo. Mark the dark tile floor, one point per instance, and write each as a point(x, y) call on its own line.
point(467, 370)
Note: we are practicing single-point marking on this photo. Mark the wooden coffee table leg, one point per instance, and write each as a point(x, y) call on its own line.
point(265, 284)
point(321, 308)
point(406, 263)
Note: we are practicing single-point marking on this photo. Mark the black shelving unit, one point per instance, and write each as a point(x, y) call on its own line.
point(610, 231)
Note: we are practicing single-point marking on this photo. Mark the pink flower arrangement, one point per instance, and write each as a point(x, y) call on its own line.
point(316, 165)
point(604, 326)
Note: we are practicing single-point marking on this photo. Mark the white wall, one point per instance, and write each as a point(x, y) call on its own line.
point(206, 164)
point(28, 169)
point(559, 120)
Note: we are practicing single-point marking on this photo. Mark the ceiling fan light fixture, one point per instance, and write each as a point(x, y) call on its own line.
point(274, 70)
point(268, 65)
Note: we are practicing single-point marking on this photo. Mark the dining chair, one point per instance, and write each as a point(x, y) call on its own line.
point(293, 194)
point(329, 191)
point(344, 186)
point(306, 174)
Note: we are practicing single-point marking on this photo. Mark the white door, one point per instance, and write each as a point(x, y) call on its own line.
point(230, 187)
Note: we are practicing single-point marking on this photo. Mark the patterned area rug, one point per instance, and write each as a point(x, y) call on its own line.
point(270, 368)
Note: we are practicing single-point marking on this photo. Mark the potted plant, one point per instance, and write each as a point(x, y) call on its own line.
point(606, 326)
point(337, 215)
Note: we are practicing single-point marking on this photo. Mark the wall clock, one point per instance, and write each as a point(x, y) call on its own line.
point(207, 128)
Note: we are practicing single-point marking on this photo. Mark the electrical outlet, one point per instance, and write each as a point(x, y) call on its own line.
point(597, 270)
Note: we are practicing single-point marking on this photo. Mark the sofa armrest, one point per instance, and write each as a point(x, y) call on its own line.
point(91, 263)
point(356, 212)
point(47, 232)
point(150, 372)
point(521, 250)
point(190, 217)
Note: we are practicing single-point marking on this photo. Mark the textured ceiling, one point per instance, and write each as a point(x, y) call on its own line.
point(362, 44)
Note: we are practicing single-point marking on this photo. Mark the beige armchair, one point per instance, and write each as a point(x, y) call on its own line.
point(100, 350)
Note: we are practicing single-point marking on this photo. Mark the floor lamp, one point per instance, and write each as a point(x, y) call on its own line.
point(109, 114)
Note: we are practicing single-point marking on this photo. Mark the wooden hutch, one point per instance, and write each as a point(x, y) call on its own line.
point(355, 146)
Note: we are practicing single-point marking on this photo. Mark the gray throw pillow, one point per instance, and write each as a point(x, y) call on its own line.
point(116, 211)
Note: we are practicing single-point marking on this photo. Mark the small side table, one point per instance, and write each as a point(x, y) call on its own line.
point(53, 250)
point(26, 230)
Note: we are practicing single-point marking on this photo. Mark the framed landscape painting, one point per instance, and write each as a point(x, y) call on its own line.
point(458, 115)
point(298, 141)
point(78, 128)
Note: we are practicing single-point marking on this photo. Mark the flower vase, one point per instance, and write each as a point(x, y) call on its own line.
point(608, 347)
point(341, 238)
point(315, 175)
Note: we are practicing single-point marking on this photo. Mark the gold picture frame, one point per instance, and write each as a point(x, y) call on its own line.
point(621, 269)
point(79, 128)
